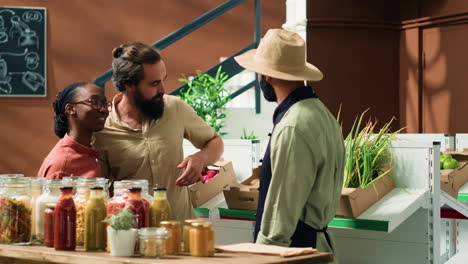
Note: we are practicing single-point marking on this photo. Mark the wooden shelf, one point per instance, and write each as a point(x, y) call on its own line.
point(49, 255)
point(388, 213)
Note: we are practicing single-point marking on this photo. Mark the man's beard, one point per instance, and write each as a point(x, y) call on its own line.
point(267, 89)
point(152, 108)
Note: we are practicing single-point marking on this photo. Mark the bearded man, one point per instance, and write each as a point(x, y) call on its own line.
point(143, 134)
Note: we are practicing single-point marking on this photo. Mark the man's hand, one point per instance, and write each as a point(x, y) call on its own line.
point(193, 165)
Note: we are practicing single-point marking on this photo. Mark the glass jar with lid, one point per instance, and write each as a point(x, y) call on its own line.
point(138, 207)
point(160, 207)
point(50, 194)
point(81, 198)
point(49, 224)
point(73, 180)
point(186, 231)
point(173, 244)
point(15, 211)
point(65, 220)
point(144, 185)
point(104, 183)
point(117, 202)
point(36, 191)
point(95, 228)
point(152, 242)
point(201, 239)
point(147, 198)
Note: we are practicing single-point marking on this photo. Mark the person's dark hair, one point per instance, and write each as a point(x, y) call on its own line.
point(127, 66)
point(63, 98)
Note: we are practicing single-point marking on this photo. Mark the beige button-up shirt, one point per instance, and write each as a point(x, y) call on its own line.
point(154, 151)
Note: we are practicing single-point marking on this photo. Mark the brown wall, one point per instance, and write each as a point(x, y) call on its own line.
point(355, 44)
point(404, 59)
point(81, 35)
point(432, 66)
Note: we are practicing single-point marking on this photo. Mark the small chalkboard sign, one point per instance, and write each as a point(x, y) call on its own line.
point(22, 52)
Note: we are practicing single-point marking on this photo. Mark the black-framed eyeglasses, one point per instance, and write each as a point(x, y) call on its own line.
point(96, 104)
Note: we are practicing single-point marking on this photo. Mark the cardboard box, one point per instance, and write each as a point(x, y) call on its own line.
point(452, 180)
point(243, 196)
point(201, 193)
point(354, 201)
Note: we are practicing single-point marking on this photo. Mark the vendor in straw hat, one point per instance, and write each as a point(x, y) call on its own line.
point(302, 171)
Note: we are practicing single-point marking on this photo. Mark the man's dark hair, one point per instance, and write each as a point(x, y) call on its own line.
point(66, 96)
point(127, 67)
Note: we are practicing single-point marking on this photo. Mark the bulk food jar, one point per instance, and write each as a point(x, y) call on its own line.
point(95, 228)
point(65, 221)
point(117, 202)
point(81, 197)
point(15, 211)
point(51, 194)
point(160, 208)
point(152, 242)
point(173, 243)
point(36, 191)
point(201, 238)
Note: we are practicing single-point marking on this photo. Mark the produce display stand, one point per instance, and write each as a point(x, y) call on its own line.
point(461, 224)
point(407, 225)
point(40, 254)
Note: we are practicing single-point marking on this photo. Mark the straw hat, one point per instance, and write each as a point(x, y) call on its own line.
point(280, 54)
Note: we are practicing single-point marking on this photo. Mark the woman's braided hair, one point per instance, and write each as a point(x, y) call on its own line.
point(66, 96)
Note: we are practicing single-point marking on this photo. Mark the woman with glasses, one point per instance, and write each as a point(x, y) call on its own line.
point(80, 110)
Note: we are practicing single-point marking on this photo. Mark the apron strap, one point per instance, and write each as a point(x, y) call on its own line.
point(306, 236)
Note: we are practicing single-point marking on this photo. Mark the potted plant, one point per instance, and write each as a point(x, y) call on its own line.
point(250, 136)
point(367, 167)
point(121, 233)
point(208, 97)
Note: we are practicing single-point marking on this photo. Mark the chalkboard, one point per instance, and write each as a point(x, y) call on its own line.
point(22, 52)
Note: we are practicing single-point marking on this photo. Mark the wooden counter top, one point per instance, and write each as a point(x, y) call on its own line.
point(40, 254)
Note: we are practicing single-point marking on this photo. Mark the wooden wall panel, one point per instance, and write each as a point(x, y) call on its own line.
point(355, 44)
point(444, 89)
point(409, 92)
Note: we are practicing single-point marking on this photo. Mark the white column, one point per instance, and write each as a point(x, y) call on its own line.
point(296, 17)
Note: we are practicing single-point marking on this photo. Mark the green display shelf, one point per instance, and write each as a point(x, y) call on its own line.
point(363, 224)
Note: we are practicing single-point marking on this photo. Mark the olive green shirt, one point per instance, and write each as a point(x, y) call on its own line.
point(154, 151)
point(307, 160)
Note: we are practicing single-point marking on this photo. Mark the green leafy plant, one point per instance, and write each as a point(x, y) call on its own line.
point(368, 154)
point(208, 97)
point(251, 136)
point(124, 220)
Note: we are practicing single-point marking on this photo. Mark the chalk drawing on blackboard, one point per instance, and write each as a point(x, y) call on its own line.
point(32, 80)
point(32, 16)
point(7, 10)
point(5, 86)
point(23, 58)
point(32, 60)
point(3, 29)
point(26, 36)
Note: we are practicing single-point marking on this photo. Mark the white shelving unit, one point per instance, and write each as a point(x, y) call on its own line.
point(461, 226)
point(411, 215)
point(405, 226)
point(446, 141)
point(397, 206)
